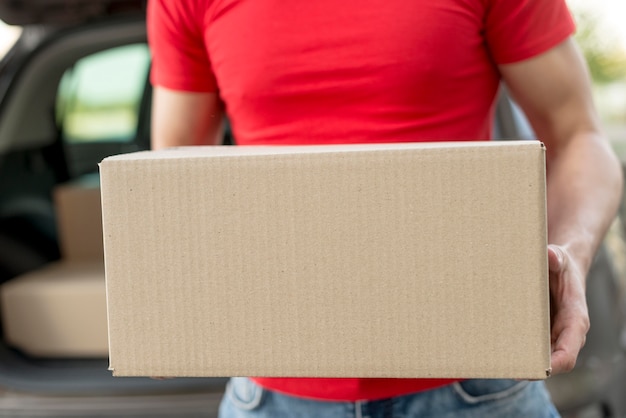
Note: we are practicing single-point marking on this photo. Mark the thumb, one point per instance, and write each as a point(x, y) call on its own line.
point(555, 258)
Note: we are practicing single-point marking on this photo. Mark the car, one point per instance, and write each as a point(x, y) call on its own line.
point(74, 89)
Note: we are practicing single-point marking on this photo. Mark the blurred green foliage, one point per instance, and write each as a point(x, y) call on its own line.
point(605, 55)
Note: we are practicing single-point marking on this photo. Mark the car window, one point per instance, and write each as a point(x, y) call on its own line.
point(8, 36)
point(99, 97)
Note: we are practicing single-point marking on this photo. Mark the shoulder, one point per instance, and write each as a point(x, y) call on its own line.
point(179, 14)
point(520, 29)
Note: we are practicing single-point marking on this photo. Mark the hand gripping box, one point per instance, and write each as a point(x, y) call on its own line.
point(404, 260)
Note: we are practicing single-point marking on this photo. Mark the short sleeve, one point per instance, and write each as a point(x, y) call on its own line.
point(520, 29)
point(179, 57)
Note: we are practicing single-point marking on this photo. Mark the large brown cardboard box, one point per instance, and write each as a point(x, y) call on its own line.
point(406, 260)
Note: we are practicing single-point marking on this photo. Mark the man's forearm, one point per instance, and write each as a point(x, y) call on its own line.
point(584, 191)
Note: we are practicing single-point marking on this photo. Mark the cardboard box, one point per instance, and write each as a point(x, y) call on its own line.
point(79, 219)
point(60, 309)
point(406, 260)
point(57, 311)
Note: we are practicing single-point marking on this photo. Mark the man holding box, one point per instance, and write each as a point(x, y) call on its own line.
point(327, 72)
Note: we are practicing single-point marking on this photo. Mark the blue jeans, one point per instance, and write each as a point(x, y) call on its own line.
point(466, 399)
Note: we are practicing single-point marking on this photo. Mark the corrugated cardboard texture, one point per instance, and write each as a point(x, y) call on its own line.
point(411, 260)
point(79, 219)
point(57, 311)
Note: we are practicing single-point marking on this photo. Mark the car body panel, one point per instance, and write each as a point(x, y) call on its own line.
point(64, 12)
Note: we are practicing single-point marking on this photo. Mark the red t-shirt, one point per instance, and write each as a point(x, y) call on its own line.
point(328, 71)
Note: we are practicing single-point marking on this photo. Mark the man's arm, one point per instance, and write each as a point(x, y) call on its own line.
point(584, 182)
point(183, 118)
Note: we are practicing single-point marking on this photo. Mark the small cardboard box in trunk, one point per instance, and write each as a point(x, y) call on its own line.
point(59, 310)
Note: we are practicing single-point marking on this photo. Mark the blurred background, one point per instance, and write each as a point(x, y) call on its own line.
point(602, 37)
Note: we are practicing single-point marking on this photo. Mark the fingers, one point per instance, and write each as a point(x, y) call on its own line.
point(565, 350)
point(556, 258)
point(569, 314)
point(567, 344)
